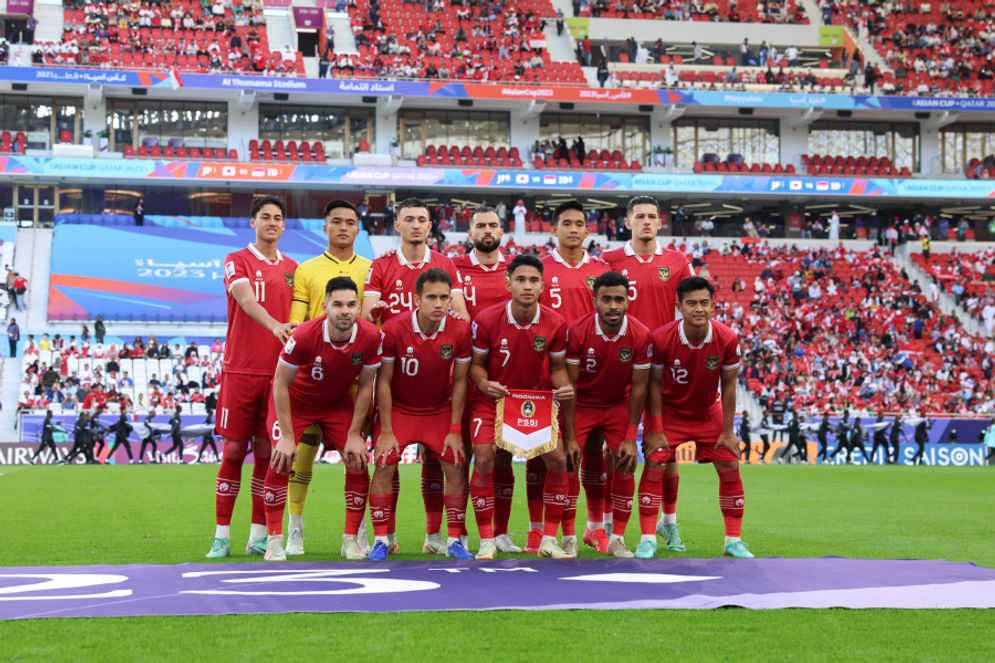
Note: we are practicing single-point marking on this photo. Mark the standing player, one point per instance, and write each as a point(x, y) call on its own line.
point(653, 274)
point(390, 291)
point(312, 385)
point(608, 359)
point(517, 345)
point(569, 273)
point(259, 281)
point(421, 392)
point(312, 276)
point(692, 359)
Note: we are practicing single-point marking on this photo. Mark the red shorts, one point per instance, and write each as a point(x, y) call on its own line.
point(482, 422)
point(242, 406)
point(609, 421)
point(704, 431)
point(333, 422)
point(429, 430)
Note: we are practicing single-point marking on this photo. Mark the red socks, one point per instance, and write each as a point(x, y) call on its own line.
point(504, 490)
point(623, 486)
point(395, 489)
point(554, 499)
point(482, 494)
point(731, 500)
point(535, 479)
point(650, 499)
point(431, 489)
point(594, 478)
point(381, 510)
point(570, 511)
point(357, 487)
point(455, 515)
point(275, 495)
point(670, 484)
point(226, 487)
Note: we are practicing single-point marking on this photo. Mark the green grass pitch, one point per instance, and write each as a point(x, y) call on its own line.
point(165, 515)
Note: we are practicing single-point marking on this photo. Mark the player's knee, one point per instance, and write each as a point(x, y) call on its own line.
point(556, 461)
point(483, 458)
point(727, 467)
point(232, 450)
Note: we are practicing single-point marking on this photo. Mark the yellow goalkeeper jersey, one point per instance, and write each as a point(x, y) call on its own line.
point(313, 275)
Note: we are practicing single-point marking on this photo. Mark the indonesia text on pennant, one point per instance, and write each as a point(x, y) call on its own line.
point(526, 423)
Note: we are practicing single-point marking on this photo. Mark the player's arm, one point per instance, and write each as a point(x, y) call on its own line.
point(285, 451)
point(242, 292)
point(355, 444)
point(569, 408)
point(373, 306)
point(301, 301)
point(653, 437)
point(454, 440)
point(387, 441)
point(727, 438)
point(459, 306)
point(627, 455)
point(563, 392)
point(478, 373)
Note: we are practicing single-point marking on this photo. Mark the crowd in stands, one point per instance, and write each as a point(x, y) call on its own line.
point(79, 373)
point(771, 11)
point(451, 39)
point(836, 329)
point(968, 277)
point(210, 36)
point(937, 48)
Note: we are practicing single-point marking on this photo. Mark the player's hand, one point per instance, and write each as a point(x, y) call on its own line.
point(356, 454)
point(728, 440)
point(283, 456)
point(386, 443)
point(653, 442)
point(283, 330)
point(453, 313)
point(564, 393)
point(572, 451)
point(378, 310)
point(494, 389)
point(454, 441)
point(625, 459)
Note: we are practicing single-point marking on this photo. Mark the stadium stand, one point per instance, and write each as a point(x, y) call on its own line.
point(850, 165)
point(455, 155)
point(969, 277)
point(189, 36)
point(734, 163)
point(772, 11)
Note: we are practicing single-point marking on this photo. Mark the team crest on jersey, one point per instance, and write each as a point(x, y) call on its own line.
point(712, 362)
point(625, 354)
point(356, 358)
point(528, 409)
point(590, 283)
point(664, 273)
point(539, 343)
point(446, 351)
point(289, 278)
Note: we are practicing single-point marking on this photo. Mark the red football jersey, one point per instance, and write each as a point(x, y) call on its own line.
point(569, 289)
point(691, 373)
point(249, 347)
point(393, 279)
point(326, 371)
point(518, 355)
point(423, 365)
point(652, 282)
point(483, 286)
point(606, 362)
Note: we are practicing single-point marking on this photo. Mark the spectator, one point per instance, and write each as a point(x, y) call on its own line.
point(603, 73)
point(20, 289)
point(13, 336)
point(834, 226)
point(519, 212)
point(99, 330)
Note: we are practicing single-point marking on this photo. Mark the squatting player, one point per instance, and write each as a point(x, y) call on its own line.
point(653, 274)
point(608, 359)
point(259, 282)
point(312, 276)
point(421, 392)
point(312, 385)
point(692, 397)
point(517, 345)
point(390, 291)
point(569, 273)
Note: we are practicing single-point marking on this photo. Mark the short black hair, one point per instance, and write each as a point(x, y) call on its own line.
point(259, 202)
point(340, 283)
point(523, 260)
point(482, 209)
point(641, 200)
point(564, 206)
point(610, 280)
point(692, 283)
point(340, 202)
point(410, 202)
point(433, 275)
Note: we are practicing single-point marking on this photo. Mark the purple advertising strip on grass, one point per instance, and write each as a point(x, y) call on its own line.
point(515, 584)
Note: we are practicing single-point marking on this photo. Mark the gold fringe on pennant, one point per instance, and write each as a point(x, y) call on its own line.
point(515, 449)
